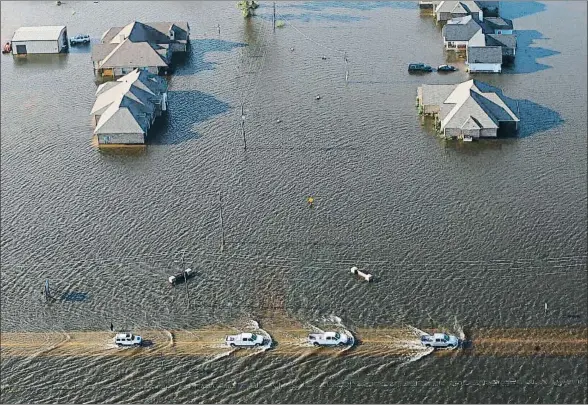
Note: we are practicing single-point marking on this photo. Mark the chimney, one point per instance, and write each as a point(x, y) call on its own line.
point(171, 34)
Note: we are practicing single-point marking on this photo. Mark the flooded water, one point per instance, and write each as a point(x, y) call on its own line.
point(459, 236)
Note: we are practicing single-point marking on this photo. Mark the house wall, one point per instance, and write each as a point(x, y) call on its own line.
point(37, 46)
point(485, 67)
point(452, 132)
point(474, 133)
point(63, 41)
point(488, 133)
point(119, 72)
point(121, 139)
point(456, 45)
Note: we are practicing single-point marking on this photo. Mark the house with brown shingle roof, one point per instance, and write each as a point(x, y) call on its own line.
point(471, 110)
point(148, 46)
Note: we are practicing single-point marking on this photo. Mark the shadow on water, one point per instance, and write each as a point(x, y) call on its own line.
point(527, 55)
point(186, 109)
point(80, 48)
point(42, 60)
point(307, 17)
point(195, 61)
point(517, 9)
point(534, 119)
point(314, 10)
point(357, 5)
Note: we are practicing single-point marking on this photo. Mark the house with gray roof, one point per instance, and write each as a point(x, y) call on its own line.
point(447, 10)
point(468, 110)
point(148, 46)
point(508, 44)
point(460, 33)
point(497, 25)
point(125, 109)
point(484, 59)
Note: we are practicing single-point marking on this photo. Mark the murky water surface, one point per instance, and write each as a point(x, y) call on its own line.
point(466, 237)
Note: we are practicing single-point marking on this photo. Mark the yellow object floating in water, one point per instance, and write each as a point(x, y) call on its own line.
point(310, 200)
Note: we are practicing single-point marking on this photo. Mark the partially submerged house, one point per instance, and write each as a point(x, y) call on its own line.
point(497, 25)
point(508, 44)
point(149, 46)
point(461, 33)
point(469, 110)
point(125, 109)
point(447, 10)
point(43, 39)
point(484, 59)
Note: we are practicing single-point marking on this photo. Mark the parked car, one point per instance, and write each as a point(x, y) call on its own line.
point(79, 39)
point(329, 339)
point(446, 68)
point(244, 340)
point(442, 340)
point(419, 67)
point(128, 339)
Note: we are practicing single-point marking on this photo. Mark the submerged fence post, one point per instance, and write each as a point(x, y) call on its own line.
point(274, 17)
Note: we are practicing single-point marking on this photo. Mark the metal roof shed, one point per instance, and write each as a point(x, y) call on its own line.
point(43, 39)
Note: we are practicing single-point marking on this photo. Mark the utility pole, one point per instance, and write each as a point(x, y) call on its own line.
point(218, 25)
point(346, 68)
point(274, 18)
point(220, 199)
point(185, 280)
point(243, 125)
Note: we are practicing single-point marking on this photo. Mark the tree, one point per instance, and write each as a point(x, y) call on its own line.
point(247, 8)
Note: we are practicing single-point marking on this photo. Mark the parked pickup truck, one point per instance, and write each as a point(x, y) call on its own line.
point(127, 339)
point(244, 340)
point(329, 339)
point(442, 340)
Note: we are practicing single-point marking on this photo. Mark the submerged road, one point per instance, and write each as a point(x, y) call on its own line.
point(290, 341)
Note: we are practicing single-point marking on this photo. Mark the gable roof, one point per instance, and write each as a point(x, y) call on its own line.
point(157, 32)
point(484, 54)
point(436, 93)
point(458, 7)
point(461, 29)
point(127, 105)
point(181, 29)
point(469, 107)
point(499, 23)
point(505, 40)
point(101, 51)
point(134, 54)
point(471, 123)
point(41, 33)
point(139, 32)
